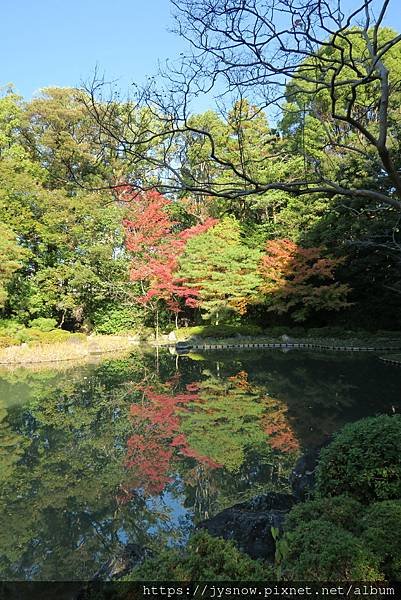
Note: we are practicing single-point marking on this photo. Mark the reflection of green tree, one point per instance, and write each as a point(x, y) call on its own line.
point(226, 423)
point(63, 505)
point(11, 446)
point(224, 420)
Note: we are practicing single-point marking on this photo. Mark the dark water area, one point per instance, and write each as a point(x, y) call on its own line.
point(138, 450)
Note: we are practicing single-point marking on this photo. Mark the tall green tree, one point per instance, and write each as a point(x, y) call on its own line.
point(73, 264)
point(222, 270)
point(11, 255)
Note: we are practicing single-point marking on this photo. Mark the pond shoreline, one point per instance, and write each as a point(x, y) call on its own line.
point(74, 349)
point(290, 346)
point(65, 351)
point(373, 344)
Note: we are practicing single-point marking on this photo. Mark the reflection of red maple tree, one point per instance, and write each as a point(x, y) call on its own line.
point(281, 435)
point(151, 450)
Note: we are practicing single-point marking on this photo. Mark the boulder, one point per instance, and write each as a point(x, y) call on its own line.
point(172, 336)
point(94, 348)
point(249, 523)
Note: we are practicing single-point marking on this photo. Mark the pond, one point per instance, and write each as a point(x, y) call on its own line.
point(141, 448)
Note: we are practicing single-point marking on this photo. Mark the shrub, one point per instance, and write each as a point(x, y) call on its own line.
point(205, 558)
point(43, 324)
point(363, 460)
point(342, 511)
point(50, 337)
point(10, 327)
point(218, 331)
point(327, 332)
point(381, 531)
point(6, 341)
point(320, 551)
point(277, 331)
point(115, 319)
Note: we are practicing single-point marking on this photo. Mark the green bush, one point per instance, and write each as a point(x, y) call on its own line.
point(363, 460)
point(381, 531)
point(116, 319)
point(43, 324)
point(321, 551)
point(277, 331)
point(337, 332)
point(205, 558)
point(218, 331)
point(6, 341)
point(10, 327)
point(50, 337)
point(342, 511)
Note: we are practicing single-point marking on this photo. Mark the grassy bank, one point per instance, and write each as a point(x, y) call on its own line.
point(74, 347)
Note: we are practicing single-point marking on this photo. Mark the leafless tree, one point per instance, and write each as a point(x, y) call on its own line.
point(312, 57)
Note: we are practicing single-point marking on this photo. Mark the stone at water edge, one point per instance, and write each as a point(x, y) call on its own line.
point(249, 524)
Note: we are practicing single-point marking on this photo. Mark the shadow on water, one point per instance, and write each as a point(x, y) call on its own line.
point(136, 450)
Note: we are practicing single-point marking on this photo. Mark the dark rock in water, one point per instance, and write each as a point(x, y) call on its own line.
point(303, 476)
point(249, 523)
point(118, 566)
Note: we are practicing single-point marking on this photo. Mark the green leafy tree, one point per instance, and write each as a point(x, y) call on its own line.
point(222, 270)
point(11, 255)
point(69, 257)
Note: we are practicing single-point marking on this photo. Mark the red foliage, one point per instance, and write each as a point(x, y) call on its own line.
point(150, 458)
point(151, 451)
point(149, 223)
point(157, 246)
point(281, 435)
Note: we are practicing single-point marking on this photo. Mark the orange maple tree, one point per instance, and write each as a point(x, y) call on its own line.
point(299, 280)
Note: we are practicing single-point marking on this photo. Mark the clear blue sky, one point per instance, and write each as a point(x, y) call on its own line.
point(59, 42)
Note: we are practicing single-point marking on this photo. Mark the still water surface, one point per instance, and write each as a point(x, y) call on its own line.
point(139, 449)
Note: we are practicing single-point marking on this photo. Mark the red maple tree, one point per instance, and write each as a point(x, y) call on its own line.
point(157, 244)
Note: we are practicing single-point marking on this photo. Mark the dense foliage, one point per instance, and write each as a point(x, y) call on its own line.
point(381, 533)
point(363, 460)
point(205, 558)
point(319, 550)
point(120, 259)
point(62, 248)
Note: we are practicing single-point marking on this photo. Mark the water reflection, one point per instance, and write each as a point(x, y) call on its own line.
point(134, 451)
